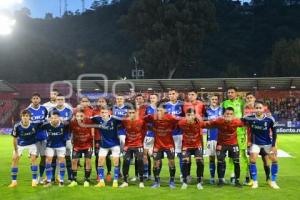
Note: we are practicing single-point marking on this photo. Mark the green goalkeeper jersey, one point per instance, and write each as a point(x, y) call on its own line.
point(238, 105)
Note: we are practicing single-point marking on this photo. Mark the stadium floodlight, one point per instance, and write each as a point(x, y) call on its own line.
point(6, 24)
point(97, 89)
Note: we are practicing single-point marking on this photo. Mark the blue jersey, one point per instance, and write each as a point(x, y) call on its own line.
point(120, 112)
point(108, 130)
point(66, 115)
point(25, 135)
point(260, 129)
point(175, 109)
point(56, 134)
point(150, 111)
point(213, 113)
point(38, 116)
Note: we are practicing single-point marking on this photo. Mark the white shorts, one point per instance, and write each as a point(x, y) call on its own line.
point(256, 148)
point(211, 148)
point(69, 148)
point(41, 147)
point(31, 149)
point(59, 152)
point(148, 142)
point(115, 151)
point(178, 143)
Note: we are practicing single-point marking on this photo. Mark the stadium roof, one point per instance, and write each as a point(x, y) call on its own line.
point(200, 84)
point(5, 87)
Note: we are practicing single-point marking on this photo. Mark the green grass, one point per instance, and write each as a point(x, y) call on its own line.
point(288, 180)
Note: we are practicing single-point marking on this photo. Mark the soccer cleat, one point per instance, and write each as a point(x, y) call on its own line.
point(124, 185)
point(221, 183)
point(13, 184)
point(108, 178)
point(181, 178)
point(47, 184)
point(237, 184)
point(184, 186)
point(155, 185)
point(57, 179)
point(232, 180)
point(212, 181)
point(40, 181)
point(141, 185)
point(86, 184)
point(189, 179)
point(115, 184)
point(34, 183)
point(61, 184)
point(199, 186)
point(172, 185)
point(100, 184)
point(133, 179)
point(274, 185)
point(73, 184)
point(248, 181)
point(254, 185)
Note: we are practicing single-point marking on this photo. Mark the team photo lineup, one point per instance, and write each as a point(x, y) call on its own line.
point(139, 133)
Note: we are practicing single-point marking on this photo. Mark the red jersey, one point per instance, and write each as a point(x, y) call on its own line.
point(82, 136)
point(198, 106)
point(88, 111)
point(162, 128)
point(142, 111)
point(135, 132)
point(227, 134)
point(191, 134)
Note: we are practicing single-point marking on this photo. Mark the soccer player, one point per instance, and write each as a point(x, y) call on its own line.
point(175, 108)
point(260, 125)
point(66, 115)
point(149, 138)
point(82, 139)
point(192, 144)
point(24, 133)
point(238, 105)
point(213, 111)
point(56, 145)
point(227, 142)
point(39, 114)
point(135, 133)
point(108, 127)
point(163, 126)
point(250, 110)
point(52, 102)
point(199, 108)
point(101, 103)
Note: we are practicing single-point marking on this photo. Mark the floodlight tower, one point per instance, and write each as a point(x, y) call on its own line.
point(83, 5)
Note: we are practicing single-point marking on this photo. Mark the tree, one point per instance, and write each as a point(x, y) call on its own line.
point(48, 16)
point(170, 32)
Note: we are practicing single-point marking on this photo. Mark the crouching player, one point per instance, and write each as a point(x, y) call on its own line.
point(134, 128)
point(24, 134)
point(227, 142)
point(56, 145)
point(163, 125)
point(108, 126)
point(260, 125)
point(82, 139)
point(192, 144)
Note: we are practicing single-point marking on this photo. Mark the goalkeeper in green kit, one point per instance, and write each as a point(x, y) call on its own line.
point(238, 104)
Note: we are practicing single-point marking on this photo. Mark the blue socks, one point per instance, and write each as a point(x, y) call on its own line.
point(62, 167)
point(101, 173)
point(116, 173)
point(212, 169)
point(274, 170)
point(14, 173)
point(34, 170)
point(253, 171)
point(49, 172)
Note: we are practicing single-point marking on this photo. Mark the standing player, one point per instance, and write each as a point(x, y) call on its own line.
point(199, 107)
point(163, 125)
point(66, 115)
point(56, 145)
point(82, 139)
point(135, 129)
point(108, 126)
point(227, 142)
point(192, 144)
point(52, 101)
point(175, 108)
point(250, 110)
point(39, 114)
point(120, 110)
point(24, 134)
point(238, 105)
point(213, 111)
point(260, 125)
point(149, 138)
